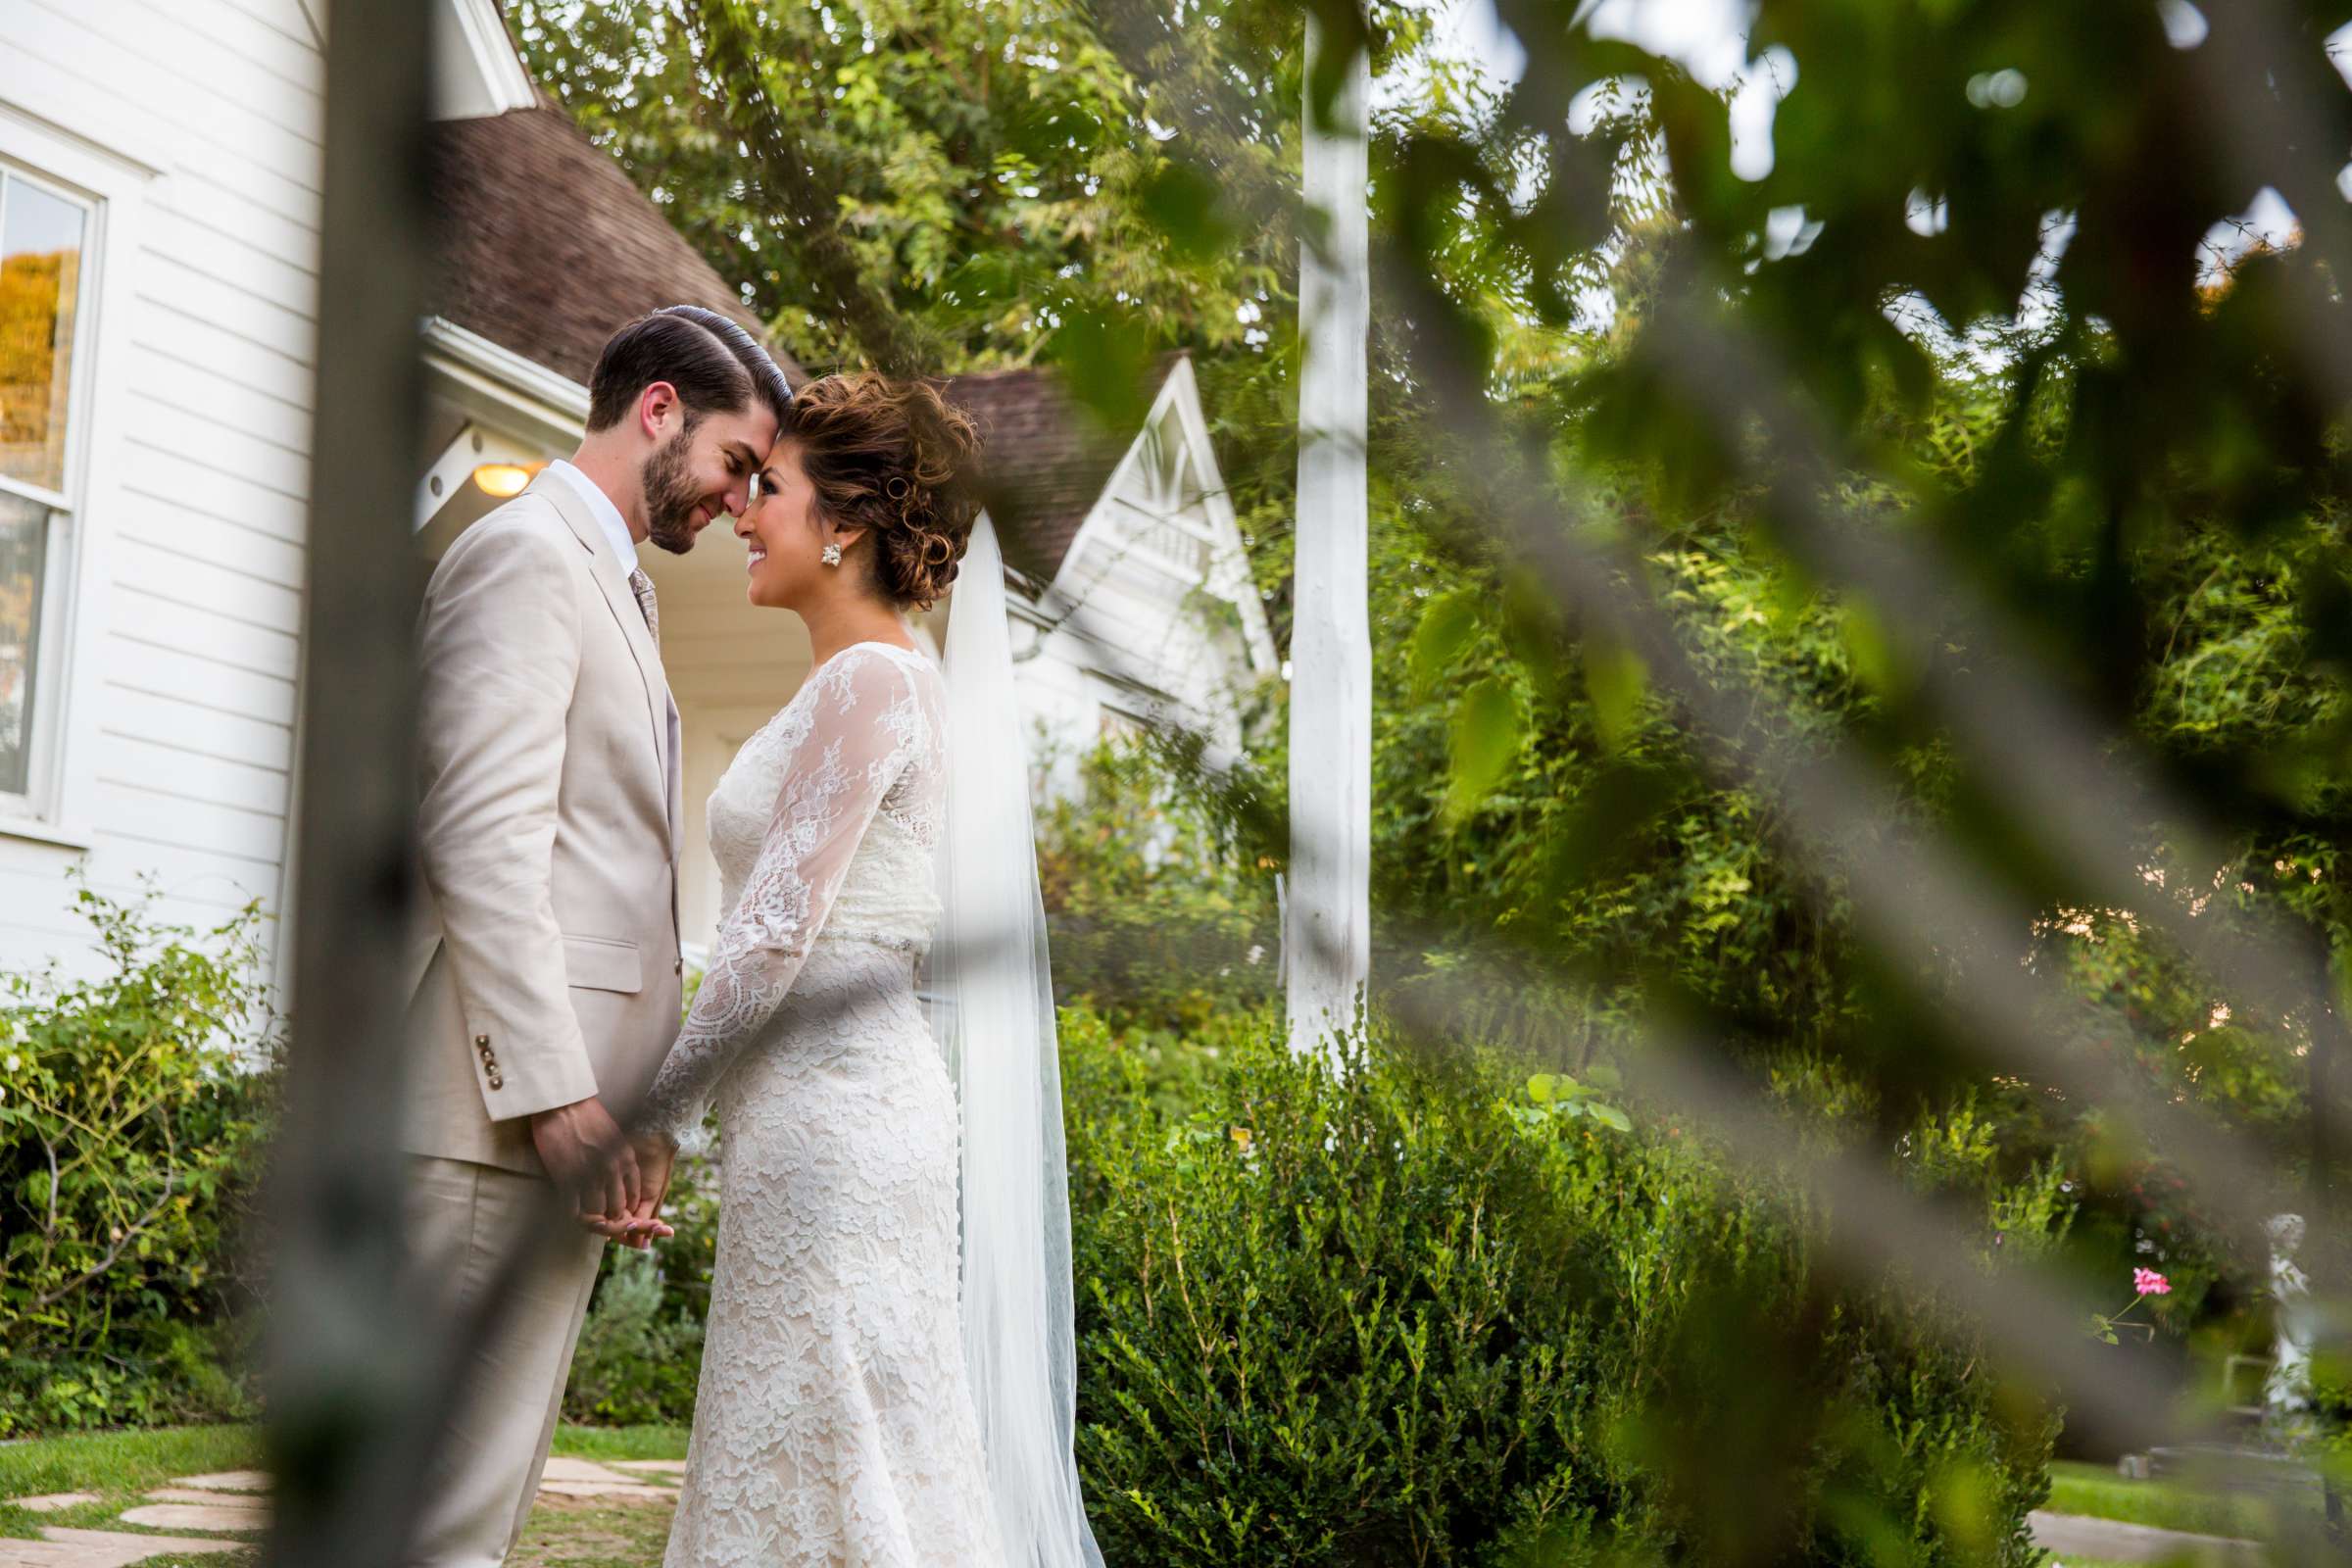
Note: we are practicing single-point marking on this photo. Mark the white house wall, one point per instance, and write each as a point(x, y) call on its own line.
point(197, 127)
point(198, 123)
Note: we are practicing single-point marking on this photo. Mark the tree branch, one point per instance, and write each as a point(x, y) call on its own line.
point(51, 1298)
point(784, 167)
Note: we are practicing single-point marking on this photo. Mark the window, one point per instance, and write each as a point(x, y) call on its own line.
point(43, 239)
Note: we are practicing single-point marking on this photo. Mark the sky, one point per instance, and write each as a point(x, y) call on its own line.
point(1705, 35)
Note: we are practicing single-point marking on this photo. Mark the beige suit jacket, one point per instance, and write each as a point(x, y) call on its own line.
point(548, 828)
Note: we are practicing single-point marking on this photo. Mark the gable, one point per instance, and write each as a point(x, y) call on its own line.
point(476, 71)
point(1045, 459)
point(1157, 564)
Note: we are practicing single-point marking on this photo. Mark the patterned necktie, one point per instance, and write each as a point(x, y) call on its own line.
point(642, 587)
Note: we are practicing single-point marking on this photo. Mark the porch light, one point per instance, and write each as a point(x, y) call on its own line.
point(504, 479)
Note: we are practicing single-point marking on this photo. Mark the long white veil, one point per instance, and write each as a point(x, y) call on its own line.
point(993, 1012)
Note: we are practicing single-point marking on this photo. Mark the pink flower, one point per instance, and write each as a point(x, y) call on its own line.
point(2147, 1282)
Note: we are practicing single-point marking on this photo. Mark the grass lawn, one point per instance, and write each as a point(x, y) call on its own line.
point(621, 1443)
point(118, 1466)
point(2097, 1490)
point(121, 1466)
point(111, 1463)
point(576, 1534)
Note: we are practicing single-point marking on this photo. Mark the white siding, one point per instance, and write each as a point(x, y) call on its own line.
point(180, 729)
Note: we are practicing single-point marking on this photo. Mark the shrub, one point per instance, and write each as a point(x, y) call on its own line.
point(1155, 921)
point(1413, 1314)
point(639, 1354)
point(641, 1347)
point(130, 1125)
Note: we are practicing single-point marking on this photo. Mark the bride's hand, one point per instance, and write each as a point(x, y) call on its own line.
point(656, 1156)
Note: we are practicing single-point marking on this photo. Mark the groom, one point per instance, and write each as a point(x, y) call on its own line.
point(548, 826)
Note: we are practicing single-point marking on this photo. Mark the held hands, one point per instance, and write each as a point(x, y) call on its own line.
point(656, 1156)
point(589, 1157)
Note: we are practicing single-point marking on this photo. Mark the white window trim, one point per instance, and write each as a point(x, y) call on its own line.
point(68, 680)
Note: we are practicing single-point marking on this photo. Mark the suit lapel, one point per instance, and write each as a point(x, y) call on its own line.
point(675, 776)
point(622, 603)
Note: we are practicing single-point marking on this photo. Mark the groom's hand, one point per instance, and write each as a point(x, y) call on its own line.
point(587, 1156)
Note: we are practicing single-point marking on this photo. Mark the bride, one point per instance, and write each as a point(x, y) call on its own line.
point(857, 1406)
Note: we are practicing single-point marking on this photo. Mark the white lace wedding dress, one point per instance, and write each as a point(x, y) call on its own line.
point(834, 1423)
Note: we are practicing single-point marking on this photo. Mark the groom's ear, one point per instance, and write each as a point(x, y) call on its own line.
point(658, 409)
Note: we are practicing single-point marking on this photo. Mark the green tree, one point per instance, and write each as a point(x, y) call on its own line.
point(993, 174)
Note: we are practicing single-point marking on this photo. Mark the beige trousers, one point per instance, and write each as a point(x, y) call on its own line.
point(466, 1224)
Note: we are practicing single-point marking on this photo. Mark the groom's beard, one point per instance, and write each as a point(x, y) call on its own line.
point(669, 497)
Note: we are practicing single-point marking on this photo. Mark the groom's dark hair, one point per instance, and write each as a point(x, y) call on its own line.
point(716, 365)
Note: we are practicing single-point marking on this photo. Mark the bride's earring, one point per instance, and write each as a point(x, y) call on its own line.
point(832, 556)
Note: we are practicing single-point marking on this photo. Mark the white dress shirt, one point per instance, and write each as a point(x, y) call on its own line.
point(607, 516)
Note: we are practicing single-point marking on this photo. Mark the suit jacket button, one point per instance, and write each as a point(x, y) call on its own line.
point(496, 1082)
point(678, 967)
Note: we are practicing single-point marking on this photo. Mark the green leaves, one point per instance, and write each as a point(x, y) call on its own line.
point(1615, 681)
point(1489, 726)
point(1186, 205)
point(1563, 1096)
point(1426, 1305)
point(1103, 352)
point(890, 148)
point(1449, 622)
point(130, 1121)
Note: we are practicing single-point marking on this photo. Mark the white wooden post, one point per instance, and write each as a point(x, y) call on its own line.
point(1327, 920)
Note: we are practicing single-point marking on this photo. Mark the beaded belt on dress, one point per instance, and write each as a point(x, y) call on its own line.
point(895, 942)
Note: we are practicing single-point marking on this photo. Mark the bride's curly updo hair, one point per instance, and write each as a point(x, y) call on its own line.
point(896, 457)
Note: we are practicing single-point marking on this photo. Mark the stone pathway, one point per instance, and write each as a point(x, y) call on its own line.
point(174, 1511)
point(585, 1479)
point(98, 1549)
point(228, 1481)
point(236, 1502)
point(2068, 1534)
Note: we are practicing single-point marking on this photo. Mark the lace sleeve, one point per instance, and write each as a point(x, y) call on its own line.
point(858, 734)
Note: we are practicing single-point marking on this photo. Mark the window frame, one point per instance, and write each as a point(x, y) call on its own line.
point(60, 536)
point(111, 188)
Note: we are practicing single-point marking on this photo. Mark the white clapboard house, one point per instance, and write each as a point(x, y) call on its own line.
point(160, 164)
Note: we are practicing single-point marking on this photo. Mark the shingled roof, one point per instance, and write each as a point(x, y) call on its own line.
point(1046, 458)
point(544, 245)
